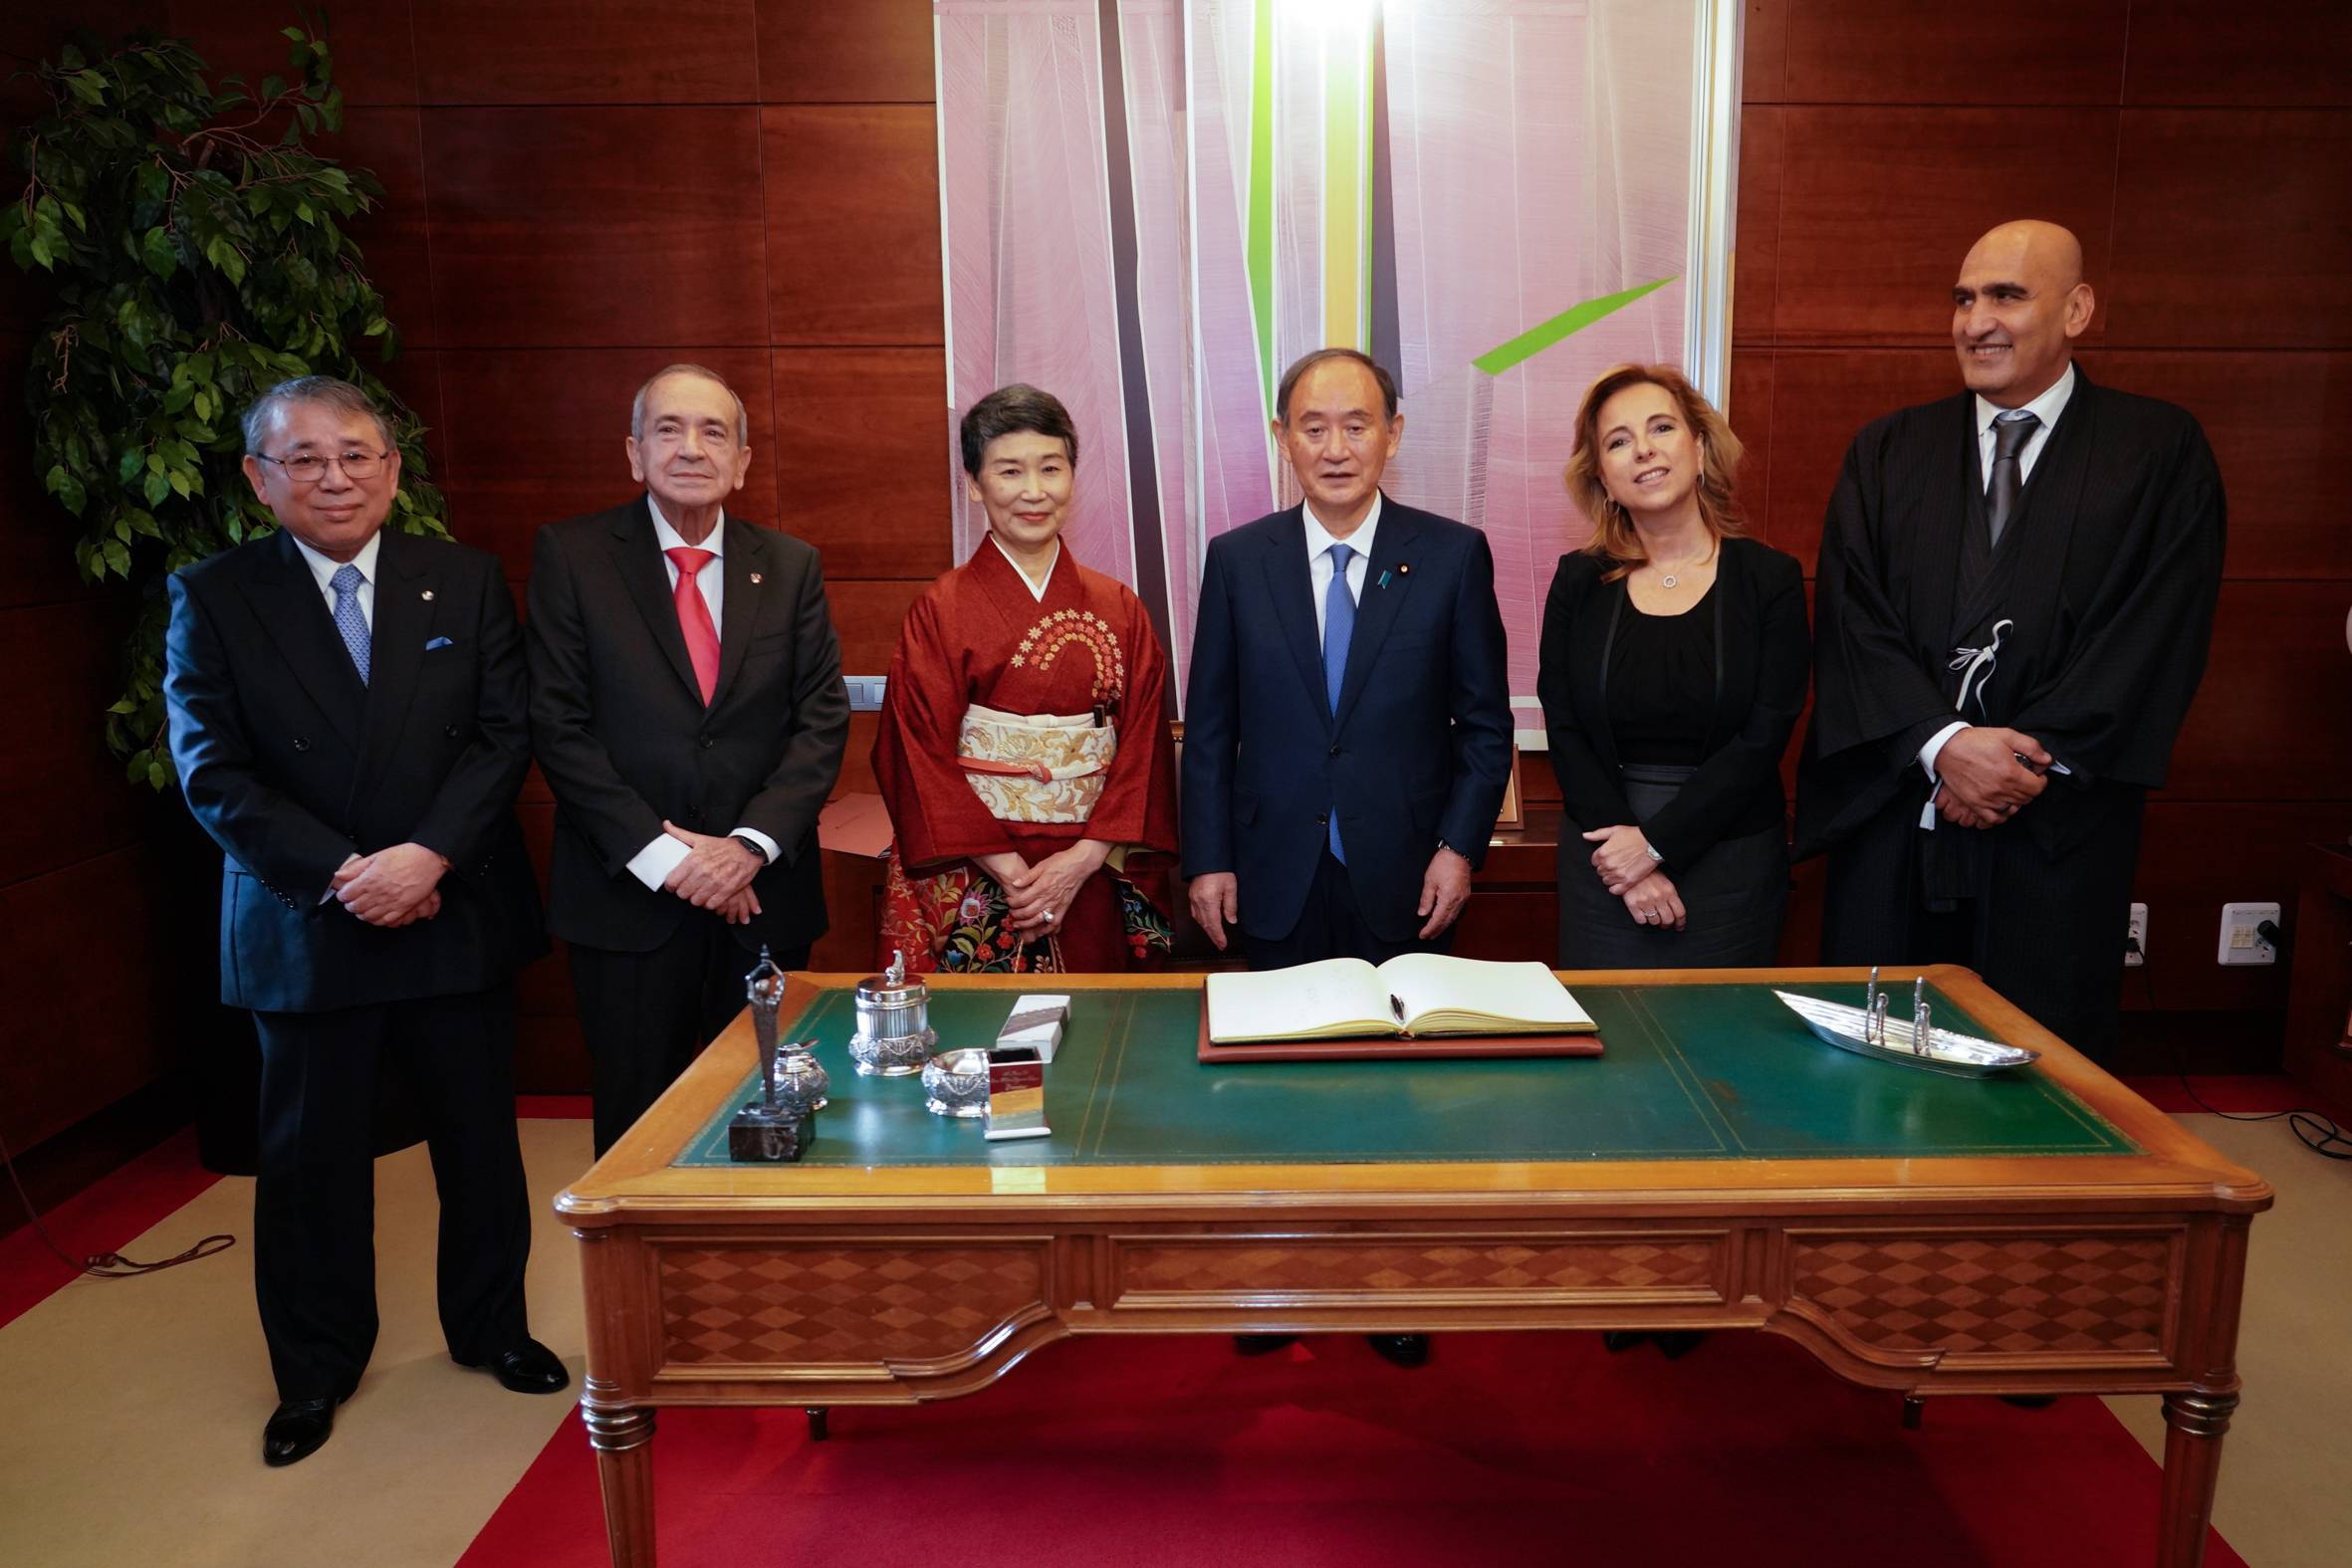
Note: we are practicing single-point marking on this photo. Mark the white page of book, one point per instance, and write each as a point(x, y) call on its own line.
point(1523, 991)
point(1283, 1003)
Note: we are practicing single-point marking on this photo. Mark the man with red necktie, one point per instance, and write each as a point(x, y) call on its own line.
point(687, 708)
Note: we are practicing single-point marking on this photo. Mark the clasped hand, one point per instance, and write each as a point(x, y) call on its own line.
point(1623, 857)
point(397, 886)
point(1038, 897)
point(716, 874)
point(1983, 781)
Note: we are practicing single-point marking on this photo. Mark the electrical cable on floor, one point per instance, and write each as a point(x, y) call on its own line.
point(2314, 1130)
point(103, 1266)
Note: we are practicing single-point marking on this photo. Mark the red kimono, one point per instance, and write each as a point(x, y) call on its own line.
point(1014, 723)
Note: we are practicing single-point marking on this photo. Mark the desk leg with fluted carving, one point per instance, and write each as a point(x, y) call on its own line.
point(2194, 1425)
point(624, 1440)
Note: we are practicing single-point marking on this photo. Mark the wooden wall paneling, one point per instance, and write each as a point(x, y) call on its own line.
point(537, 436)
point(1992, 51)
point(1880, 205)
point(2194, 858)
point(2266, 414)
point(1756, 262)
point(861, 438)
point(63, 797)
point(549, 1055)
point(1751, 421)
point(92, 982)
point(823, 52)
point(371, 42)
point(1820, 398)
point(2232, 229)
point(2286, 52)
point(415, 378)
point(852, 225)
point(854, 906)
point(597, 227)
point(583, 52)
point(867, 614)
point(393, 239)
point(2269, 721)
point(858, 768)
point(1763, 51)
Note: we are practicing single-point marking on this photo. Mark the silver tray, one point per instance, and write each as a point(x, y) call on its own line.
point(1947, 1051)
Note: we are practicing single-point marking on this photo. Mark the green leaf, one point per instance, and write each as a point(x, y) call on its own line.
point(293, 32)
point(154, 248)
point(117, 556)
point(153, 182)
point(124, 706)
point(156, 489)
point(159, 774)
point(66, 488)
point(133, 459)
point(88, 85)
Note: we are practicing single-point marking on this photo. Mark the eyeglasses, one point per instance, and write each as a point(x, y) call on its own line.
point(309, 468)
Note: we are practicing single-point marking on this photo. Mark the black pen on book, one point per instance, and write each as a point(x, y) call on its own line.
point(1398, 1007)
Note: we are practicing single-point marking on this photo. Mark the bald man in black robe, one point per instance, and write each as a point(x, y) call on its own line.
point(2015, 596)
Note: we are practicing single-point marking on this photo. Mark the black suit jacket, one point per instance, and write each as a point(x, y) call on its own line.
point(291, 765)
point(626, 740)
point(1419, 750)
point(1762, 655)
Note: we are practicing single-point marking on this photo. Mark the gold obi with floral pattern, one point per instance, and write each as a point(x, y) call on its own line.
point(1035, 768)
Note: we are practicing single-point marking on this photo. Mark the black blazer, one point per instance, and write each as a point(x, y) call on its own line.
point(293, 766)
point(1418, 751)
point(624, 739)
point(1763, 656)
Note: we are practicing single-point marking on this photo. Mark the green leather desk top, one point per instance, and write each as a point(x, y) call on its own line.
point(1692, 1072)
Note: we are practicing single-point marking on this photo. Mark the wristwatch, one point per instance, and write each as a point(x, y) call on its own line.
point(1656, 859)
point(751, 844)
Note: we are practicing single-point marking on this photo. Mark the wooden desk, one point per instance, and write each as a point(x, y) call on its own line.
point(2042, 1235)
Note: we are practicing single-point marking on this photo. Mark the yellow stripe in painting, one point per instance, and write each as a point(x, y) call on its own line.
point(1347, 183)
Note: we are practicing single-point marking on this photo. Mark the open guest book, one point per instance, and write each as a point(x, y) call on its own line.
point(1416, 996)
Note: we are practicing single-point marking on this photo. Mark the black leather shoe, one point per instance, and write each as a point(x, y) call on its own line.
point(298, 1429)
point(1400, 1350)
point(1262, 1344)
point(2030, 1401)
point(528, 1368)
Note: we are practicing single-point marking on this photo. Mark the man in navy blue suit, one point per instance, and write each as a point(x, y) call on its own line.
point(1348, 724)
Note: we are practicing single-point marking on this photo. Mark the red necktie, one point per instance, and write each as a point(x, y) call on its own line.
point(694, 618)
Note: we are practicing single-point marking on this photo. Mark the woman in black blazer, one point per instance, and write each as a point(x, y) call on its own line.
point(1674, 664)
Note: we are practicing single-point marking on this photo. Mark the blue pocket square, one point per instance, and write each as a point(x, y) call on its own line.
point(439, 642)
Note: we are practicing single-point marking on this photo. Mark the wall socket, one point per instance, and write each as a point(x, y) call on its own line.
point(2239, 944)
point(2135, 952)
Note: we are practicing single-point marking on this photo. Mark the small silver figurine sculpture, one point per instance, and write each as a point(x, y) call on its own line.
point(770, 1128)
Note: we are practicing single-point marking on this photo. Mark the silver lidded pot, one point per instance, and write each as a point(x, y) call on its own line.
point(895, 1036)
point(801, 1079)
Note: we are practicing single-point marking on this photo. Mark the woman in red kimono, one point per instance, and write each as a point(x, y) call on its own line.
point(1023, 752)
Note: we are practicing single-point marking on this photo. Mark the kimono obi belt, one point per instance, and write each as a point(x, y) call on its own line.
point(1035, 768)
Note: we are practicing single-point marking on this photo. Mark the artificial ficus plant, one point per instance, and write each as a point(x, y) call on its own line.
point(198, 256)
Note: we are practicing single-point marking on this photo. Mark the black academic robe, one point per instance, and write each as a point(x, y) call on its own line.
point(2107, 576)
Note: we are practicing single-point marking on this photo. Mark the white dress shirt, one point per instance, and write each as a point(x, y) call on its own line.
point(324, 569)
point(653, 865)
point(1318, 558)
point(2045, 408)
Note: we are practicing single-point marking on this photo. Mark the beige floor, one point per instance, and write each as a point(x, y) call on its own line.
point(151, 1394)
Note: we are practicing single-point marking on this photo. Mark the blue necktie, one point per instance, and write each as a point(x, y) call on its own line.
point(347, 619)
point(1339, 627)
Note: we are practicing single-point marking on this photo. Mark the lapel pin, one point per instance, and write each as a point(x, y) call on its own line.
point(1385, 580)
point(756, 576)
point(426, 596)
point(1404, 568)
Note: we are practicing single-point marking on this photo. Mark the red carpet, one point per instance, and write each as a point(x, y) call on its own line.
point(1520, 1449)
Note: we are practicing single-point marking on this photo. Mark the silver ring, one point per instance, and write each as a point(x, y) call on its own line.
point(1049, 914)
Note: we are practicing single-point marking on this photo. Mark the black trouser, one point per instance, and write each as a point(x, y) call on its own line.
point(314, 1203)
point(647, 1016)
point(1331, 925)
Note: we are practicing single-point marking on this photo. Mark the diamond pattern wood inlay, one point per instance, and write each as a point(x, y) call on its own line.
point(2011, 1295)
point(1228, 1267)
point(763, 1306)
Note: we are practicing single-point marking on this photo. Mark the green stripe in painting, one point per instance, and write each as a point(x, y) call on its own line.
point(1261, 242)
point(1574, 318)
